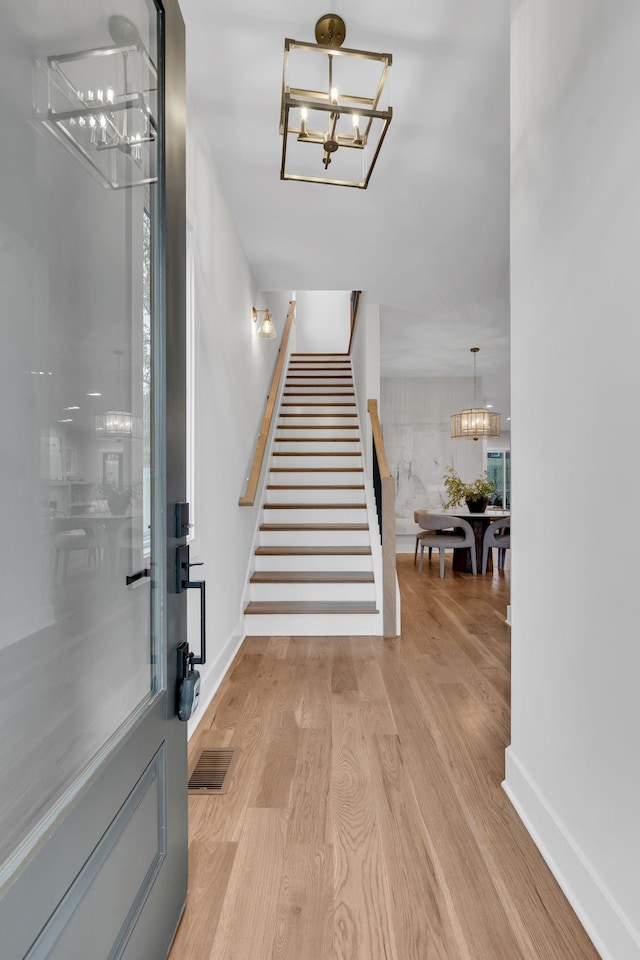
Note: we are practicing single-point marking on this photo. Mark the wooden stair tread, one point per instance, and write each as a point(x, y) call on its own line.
point(317, 393)
point(350, 416)
point(315, 506)
point(317, 453)
point(268, 527)
point(316, 439)
point(317, 405)
point(316, 469)
point(315, 486)
point(311, 606)
point(316, 354)
point(312, 576)
point(316, 426)
point(294, 551)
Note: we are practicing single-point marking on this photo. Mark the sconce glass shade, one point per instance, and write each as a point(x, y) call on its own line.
point(474, 423)
point(266, 328)
point(118, 424)
point(102, 105)
point(334, 113)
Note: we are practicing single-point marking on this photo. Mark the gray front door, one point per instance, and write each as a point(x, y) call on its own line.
point(93, 840)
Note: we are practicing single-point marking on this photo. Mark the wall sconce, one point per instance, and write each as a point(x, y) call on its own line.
point(266, 328)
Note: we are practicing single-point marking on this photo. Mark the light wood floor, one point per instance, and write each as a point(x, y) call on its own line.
point(365, 818)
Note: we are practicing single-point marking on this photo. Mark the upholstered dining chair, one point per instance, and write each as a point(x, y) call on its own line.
point(72, 535)
point(446, 533)
point(497, 534)
point(422, 535)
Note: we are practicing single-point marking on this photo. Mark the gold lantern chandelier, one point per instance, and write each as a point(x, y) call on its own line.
point(335, 111)
point(475, 422)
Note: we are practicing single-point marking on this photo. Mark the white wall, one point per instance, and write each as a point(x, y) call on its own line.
point(232, 379)
point(573, 767)
point(416, 422)
point(323, 320)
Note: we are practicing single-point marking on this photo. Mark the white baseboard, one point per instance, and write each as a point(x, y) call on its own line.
point(212, 675)
point(610, 930)
point(405, 542)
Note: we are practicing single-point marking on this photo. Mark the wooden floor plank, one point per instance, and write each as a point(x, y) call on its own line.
point(304, 928)
point(247, 924)
point(210, 865)
point(434, 931)
point(274, 787)
point(365, 818)
point(362, 925)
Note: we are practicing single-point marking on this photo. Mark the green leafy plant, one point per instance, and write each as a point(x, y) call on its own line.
point(459, 492)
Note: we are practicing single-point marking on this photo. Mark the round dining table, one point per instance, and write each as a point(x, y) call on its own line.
point(479, 523)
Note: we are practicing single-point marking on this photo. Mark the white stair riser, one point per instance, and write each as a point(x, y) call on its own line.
point(334, 592)
point(327, 373)
point(306, 394)
point(309, 461)
point(318, 424)
point(326, 410)
point(316, 496)
point(318, 625)
point(330, 401)
point(314, 538)
point(321, 381)
point(319, 446)
point(337, 563)
point(325, 363)
point(316, 478)
point(293, 431)
point(311, 384)
point(322, 515)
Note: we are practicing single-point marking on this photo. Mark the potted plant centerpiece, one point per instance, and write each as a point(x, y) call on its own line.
point(475, 494)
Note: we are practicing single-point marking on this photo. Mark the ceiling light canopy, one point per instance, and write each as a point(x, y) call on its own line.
point(335, 111)
point(475, 422)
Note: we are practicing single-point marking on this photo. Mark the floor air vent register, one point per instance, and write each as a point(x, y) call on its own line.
point(211, 773)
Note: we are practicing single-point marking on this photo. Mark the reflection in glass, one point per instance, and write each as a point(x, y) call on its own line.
point(102, 103)
point(76, 271)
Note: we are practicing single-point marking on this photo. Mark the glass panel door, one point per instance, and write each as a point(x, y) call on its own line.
point(88, 732)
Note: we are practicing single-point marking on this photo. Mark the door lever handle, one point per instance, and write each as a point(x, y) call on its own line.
point(183, 582)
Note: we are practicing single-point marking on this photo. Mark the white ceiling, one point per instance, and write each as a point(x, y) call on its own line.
point(429, 239)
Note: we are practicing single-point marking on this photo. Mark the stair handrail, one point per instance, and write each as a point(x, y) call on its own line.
point(249, 496)
point(385, 491)
point(355, 303)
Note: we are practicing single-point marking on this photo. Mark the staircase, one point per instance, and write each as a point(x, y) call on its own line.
point(315, 562)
